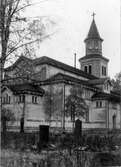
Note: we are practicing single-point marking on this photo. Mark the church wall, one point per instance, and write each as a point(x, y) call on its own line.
point(93, 125)
point(114, 109)
point(105, 64)
point(50, 71)
point(98, 114)
point(53, 70)
point(95, 66)
point(34, 114)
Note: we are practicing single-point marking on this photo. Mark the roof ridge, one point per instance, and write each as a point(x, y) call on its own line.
point(63, 64)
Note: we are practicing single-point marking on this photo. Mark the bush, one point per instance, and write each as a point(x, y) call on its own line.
point(20, 140)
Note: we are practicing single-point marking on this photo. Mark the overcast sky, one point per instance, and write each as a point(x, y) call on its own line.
point(73, 19)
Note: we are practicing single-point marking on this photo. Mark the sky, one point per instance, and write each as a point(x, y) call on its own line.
point(72, 19)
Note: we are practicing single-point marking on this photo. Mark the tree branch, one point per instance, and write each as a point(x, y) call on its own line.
point(28, 43)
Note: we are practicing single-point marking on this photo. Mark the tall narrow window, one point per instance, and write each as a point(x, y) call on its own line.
point(87, 116)
point(34, 99)
point(6, 99)
point(43, 73)
point(9, 99)
point(90, 69)
point(21, 98)
point(103, 71)
point(98, 104)
point(85, 69)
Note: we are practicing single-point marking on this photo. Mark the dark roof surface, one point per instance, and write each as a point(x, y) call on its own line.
point(55, 63)
point(69, 79)
point(99, 81)
point(25, 88)
point(21, 58)
point(107, 96)
point(93, 56)
point(93, 32)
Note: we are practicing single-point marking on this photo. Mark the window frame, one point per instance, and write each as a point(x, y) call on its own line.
point(86, 68)
point(104, 71)
point(34, 99)
point(21, 98)
point(90, 69)
point(99, 104)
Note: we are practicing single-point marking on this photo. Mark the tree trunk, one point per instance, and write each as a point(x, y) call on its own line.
point(73, 123)
point(22, 121)
point(4, 128)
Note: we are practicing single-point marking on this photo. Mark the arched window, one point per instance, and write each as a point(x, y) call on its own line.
point(114, 121)
point(6, 99)
point(90, 69)
point(85, 69)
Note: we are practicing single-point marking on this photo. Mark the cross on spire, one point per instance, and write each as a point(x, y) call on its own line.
point(93, 15)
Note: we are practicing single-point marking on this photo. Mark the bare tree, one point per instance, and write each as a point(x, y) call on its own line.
point(53, 104)
point(6, 116)
point(117, 83)
point(75, 104)
point(18, 33)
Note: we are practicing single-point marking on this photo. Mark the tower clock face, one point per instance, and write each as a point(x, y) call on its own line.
point(92, 45)
point(95, 44)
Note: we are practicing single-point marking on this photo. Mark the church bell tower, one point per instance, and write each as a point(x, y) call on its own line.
point(93, 62)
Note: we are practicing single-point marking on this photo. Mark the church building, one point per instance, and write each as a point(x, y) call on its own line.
point(28, 82)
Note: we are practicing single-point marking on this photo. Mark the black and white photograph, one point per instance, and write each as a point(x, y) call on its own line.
point(60, 83)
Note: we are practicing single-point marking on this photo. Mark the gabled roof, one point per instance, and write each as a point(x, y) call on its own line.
point(55, 63)
point(59, 77)
point(63, 66)
point(106, 96)
point(94, 56)
point(99, 81)
point(62, 77)
point(25, 88)
point(21, 58)
point(93, 32)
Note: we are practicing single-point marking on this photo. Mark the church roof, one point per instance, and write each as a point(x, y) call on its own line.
point(106, 96)
point(93, 32)
point(99, 81)
point(59, 77)
point(63, 66)
point(93, 56)
point(25, 89)
point(55, 63)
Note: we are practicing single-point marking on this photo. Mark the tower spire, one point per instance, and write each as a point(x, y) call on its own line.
point(93, 15)
point(93, 31)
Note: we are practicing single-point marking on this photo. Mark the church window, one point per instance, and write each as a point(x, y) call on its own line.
point(98, 104)
point(21, 99)
point(90, 69)
point(43, 73)
point(34, 99)
point(9, 99)
point(103, 71)
point(6, 99)
point(85, 69)
point(87, 116)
